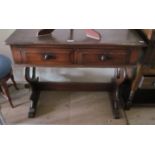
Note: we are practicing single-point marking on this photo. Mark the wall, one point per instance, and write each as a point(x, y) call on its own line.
point(54, 74)
point(4, 33)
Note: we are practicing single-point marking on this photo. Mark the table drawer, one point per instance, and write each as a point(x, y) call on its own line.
point(103, 57)
point(147, 82)
point(46, 56)
point(87, 57)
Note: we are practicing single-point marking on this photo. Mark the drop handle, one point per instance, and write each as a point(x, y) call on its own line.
point(104, 57)
point(49, 56)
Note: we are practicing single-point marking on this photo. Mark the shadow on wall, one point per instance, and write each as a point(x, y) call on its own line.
point(76, 74)
point(67, 74)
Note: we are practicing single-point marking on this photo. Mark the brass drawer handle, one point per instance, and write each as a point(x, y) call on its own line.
point(104, 57)
point(49, 56)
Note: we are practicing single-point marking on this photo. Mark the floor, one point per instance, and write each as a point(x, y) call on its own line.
point(71, 108)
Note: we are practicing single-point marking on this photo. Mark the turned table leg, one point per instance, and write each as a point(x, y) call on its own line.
point(33, 81)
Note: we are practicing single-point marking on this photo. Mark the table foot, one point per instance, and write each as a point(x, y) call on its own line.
point(32, 113)
point(33, 81)
point(119, 77)
point(115, 110)
point(34, 104)
point(115, 104)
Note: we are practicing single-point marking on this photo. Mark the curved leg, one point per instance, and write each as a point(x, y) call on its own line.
point(13, 80)
point(1, 91)
point(5, 90)
point(129, 101)
point(33, 81)
point(119, 77)
point(115, 104)
point(134, 86)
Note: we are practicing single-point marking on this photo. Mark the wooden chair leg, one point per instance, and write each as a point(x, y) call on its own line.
point(5, 89)
point(1, 90)
point(13, 80)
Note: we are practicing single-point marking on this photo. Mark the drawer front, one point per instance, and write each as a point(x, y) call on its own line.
point(46, 56)
point(83, 57)
point(147, 82)
point(101, 57)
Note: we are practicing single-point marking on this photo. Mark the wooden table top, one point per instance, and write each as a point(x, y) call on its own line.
point(123, 37)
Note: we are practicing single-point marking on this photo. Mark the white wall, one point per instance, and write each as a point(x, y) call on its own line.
point(4, 33)
point(54, 74)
